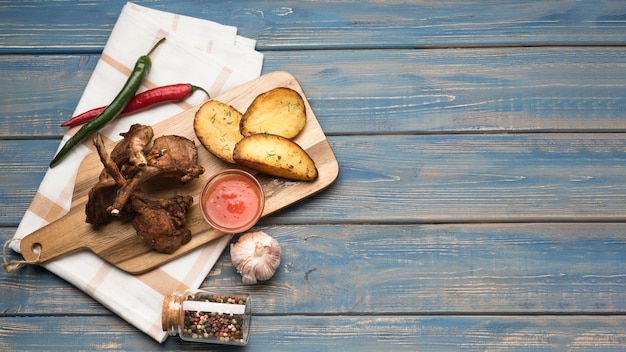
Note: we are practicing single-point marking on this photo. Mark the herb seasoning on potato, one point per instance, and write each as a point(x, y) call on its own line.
point(276, 156)
point(260, 138)
point(279, 111)
point(217, 126)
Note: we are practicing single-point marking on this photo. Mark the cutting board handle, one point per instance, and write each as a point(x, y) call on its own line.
point(57, 238)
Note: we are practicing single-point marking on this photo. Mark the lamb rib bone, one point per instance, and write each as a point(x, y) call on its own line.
point(170, 156)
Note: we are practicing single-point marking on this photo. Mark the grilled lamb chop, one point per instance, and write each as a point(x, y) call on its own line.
point(121, 164)
point(100, 195)
point(160, 222)
point(132, 148)
point(170, 156)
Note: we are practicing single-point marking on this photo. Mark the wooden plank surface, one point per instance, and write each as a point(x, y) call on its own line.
point(480, 202)
point(449, 269)
point(410, 91)
point(441, 178)
point(324, 333)
point(331, 24)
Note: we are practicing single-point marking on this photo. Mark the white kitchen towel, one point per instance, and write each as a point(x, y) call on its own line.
point(196, 51)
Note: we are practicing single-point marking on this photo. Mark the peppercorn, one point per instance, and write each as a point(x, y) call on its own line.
point(203, 317)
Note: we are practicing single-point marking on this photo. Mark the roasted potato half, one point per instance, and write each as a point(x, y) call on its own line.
point(217, 127)
point(280, 111)
point(275, 155)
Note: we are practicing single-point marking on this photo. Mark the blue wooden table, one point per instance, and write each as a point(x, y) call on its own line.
point(481, 200)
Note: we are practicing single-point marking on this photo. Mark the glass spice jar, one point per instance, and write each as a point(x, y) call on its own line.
point(201, 316)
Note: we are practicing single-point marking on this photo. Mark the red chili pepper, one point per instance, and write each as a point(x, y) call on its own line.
point(141, 101)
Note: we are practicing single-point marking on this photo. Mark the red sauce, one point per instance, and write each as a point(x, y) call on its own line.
point(232, 202)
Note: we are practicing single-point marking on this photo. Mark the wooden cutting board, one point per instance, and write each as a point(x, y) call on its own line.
point(118, 243)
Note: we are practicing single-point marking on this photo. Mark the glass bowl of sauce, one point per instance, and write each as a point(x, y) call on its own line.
point(232, 201)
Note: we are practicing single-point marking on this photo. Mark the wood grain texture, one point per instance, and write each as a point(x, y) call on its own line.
point(472, 90)
point(38, 92)
point(331, 24)
point(445, 178)
point(444, 269)
point(480, 202)
point(474, 178)
point(117, 242)
point(322, 333)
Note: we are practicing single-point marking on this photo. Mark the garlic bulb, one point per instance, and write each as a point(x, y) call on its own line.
point(256, 255)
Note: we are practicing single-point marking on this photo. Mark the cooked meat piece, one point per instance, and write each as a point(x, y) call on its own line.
point(170, 156)
point(111, 169)
point(160, 222)
point(133, 147)
point(99, 195)
point(119, 165)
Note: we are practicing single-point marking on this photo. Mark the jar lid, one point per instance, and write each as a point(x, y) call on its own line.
point(170, 312)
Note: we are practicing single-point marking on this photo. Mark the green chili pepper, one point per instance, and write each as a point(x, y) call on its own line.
point(141, 69)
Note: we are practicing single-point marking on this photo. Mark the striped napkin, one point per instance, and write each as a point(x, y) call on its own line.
point(196, 51)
